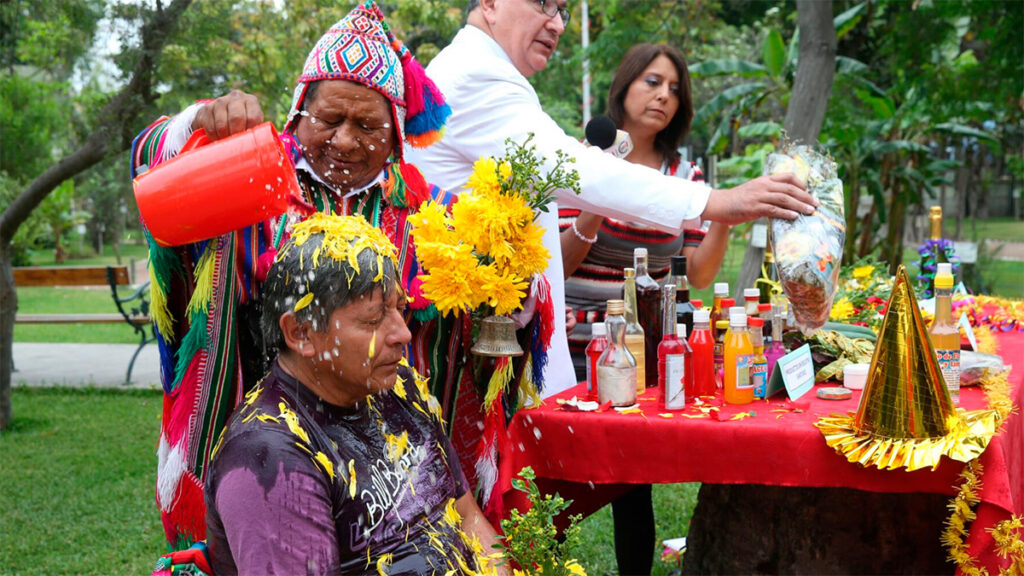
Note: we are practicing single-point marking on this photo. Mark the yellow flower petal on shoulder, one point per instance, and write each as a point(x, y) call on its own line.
point(383, 562)
point(352, 478)
point(326, 463)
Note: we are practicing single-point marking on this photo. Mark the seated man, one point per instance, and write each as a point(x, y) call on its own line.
point(336, 462)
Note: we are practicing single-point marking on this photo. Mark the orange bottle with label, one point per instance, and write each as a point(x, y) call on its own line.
point(738, 362)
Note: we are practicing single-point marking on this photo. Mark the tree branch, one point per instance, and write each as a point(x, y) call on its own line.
point(114, 127)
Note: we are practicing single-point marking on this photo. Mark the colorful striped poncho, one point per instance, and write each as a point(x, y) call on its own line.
point(206, 308)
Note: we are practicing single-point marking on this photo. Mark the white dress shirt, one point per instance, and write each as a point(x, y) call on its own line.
point(491, 102)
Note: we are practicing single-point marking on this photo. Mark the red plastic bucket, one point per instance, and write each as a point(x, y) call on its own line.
point(212, 188)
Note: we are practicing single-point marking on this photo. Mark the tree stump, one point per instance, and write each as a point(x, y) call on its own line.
point(754, 529)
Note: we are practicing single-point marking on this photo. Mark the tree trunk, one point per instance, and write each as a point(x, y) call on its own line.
point(113, 133)
point(812, 86)
point(8, 308)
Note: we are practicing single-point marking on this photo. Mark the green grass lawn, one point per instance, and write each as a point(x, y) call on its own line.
point(128, 252)
point(1006, 229)
point(78, 475)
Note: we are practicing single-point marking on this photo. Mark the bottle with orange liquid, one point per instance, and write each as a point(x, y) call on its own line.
point(944, 334)
point(721, 291)
point(738, 362)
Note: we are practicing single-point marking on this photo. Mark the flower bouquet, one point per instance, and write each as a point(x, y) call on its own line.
point(486, 259)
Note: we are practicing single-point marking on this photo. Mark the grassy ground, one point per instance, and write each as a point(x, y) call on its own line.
point(79, 467)
point(107, 258)
point(1006, 229)
point(78, 476)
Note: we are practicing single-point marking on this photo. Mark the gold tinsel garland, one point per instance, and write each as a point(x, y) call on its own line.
point(1007, 533)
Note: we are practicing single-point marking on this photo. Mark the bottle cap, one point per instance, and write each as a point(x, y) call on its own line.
point(681, 331)
point(756, 322)
point(598, 329)
point(728, 303)
point(945, 268)
point(944, 277)
point(722, 324)
point(697, 302)
point(701, 315)
point(629, 272)
point(678, 265)
point(639, 252)
point(764, 307)
point(616, 307)
point(738, 320)
point(737, 310)
point(749, 293)
point(721, 288)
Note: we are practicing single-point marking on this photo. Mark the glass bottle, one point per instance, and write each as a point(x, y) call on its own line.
point(648, 295)
point(702, 359)
point(684, 308)
point(634, 332)
point(759, 372)
point(721, 291)
point(738, 362)
point(616, 368)
point(945, 335)
point(769, 277)
point(777, 348)
point(750, 296)
point(935, 235)
point(598, 344)
point(721, 327)
point(764, 311)
point(673, 355)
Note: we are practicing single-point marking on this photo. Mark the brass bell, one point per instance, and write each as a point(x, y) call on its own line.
point(497, 338)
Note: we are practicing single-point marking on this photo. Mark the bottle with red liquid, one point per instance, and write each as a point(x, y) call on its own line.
point(598, 343)
point(648, 296)
point(702, 359)
point(673, 355)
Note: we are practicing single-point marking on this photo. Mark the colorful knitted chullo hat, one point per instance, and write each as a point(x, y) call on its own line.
point(361, 48)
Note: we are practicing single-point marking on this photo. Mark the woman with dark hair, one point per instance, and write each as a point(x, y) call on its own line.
point(650, 99)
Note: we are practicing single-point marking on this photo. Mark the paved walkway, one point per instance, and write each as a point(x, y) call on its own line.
point(82, 365)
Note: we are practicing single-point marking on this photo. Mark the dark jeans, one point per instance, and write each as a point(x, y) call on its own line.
point(633, 517)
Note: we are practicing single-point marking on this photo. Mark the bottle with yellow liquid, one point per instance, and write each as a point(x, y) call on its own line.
point(944, 334)
point(634, 332)
point(738, 362)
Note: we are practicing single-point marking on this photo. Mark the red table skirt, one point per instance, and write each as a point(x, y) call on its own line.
point(590, 456)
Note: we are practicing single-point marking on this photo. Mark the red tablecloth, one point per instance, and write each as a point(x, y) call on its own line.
point(588, 456)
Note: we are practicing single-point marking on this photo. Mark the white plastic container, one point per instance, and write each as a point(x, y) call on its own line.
point(855, 376)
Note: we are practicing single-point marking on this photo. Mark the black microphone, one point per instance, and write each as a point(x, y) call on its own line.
point(601, 132)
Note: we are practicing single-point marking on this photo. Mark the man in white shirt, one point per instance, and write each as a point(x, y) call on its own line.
point(483, 75)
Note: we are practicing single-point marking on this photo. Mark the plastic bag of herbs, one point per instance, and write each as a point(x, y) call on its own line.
point(809, 249)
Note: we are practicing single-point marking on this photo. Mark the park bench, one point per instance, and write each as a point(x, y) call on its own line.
point(133, 309)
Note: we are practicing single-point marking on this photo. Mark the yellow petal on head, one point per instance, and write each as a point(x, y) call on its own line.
point(303, 302)
point(373, 345)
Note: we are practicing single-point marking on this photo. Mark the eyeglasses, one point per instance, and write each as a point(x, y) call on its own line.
point(550, 7)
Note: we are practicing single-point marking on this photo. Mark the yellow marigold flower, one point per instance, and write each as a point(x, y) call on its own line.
point(451, 514)
point(574, 568)
point(484, 178)
point(862, 272)
point(842, 309)
point(344, 238)
point(504, 290)
point(432, 224)
point(529, 256)
point(449, 289)
point(439, 256)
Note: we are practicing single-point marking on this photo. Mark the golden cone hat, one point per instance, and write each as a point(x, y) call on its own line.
point(906, 418)
point(905, 395)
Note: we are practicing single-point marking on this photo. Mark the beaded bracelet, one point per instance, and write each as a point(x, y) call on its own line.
point(582, 238)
